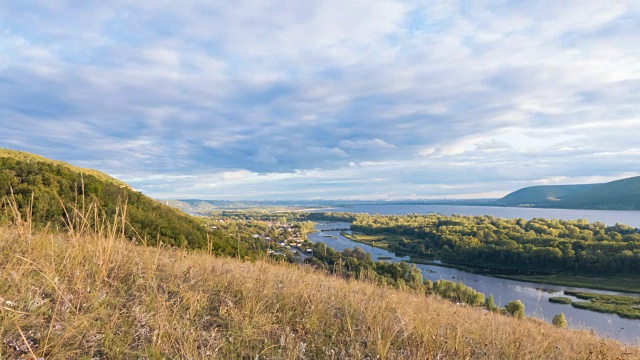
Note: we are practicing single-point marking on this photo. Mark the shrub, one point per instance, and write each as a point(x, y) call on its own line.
point(515, 308)
point(560, 320)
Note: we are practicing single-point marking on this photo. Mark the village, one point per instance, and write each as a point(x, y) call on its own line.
point(281, 238)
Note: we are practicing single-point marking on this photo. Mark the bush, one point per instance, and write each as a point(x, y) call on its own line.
point(560, 320)
point(458, 292)
point(515, 308)
point(490, 303)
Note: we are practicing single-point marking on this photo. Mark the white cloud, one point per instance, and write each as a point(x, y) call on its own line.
point(410, 93)
point(366, 144)
point(326, 151)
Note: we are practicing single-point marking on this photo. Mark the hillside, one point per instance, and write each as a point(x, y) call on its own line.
point(621, 194)
point(541, 195)
point(66, 196)
point(33, 158)
point(95, 296)
point(191, 207)
point(616, 195)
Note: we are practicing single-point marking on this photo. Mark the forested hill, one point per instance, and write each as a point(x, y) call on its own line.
point(33, 158)
point(57, 188)
point(620, 194)
point(544, 195)
point(616, 195)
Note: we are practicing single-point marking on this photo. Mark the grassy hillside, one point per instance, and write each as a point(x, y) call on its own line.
point(541, 195)
point(59, 195)
point(616, 195)
point(95, 296)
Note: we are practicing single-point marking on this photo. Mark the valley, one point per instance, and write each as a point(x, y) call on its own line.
point(105, 218)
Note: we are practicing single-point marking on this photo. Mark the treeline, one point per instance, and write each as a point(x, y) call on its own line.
point(328, 216)
point(260, 215)
point(56, 195)
point(544, 244)
point(358, 264)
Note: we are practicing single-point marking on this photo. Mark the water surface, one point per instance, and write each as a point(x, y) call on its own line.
point(609, 217)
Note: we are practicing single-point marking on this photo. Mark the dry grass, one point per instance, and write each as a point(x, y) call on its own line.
point(90, 296)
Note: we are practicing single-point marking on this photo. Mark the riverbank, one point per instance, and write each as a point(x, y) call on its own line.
point(624, 306)
point(621, 284)
point(628, 285)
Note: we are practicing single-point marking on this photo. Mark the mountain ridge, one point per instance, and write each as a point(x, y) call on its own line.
point(623, 194)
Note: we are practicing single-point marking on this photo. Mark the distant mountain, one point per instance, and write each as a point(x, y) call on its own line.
point(544, 195)
point(615, 195)
point(206, 207)
point(620, 194)
point(194, 208)
point(63, 193)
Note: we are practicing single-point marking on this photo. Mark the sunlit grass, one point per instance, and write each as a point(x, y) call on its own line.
point(92, 294)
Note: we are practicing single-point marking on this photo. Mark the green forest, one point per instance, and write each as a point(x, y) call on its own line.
point(546, 245)
point(56, 194)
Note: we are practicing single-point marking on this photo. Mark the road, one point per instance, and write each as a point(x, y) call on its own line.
point(303, 255)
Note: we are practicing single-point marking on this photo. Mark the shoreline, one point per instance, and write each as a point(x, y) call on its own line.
point(576, 281)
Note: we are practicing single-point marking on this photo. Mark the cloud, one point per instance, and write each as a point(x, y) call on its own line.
point(407, 93)
point(325, 151)
point(493, 145)
point(366, 144)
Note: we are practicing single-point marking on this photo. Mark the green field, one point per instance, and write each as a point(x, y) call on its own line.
point(622, 284)
point(379, 241)
point(560, 300)
point(624, 306)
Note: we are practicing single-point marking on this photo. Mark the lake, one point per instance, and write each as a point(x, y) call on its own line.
point(535, 296)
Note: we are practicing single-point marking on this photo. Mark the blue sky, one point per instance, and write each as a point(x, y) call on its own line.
point(331, 99)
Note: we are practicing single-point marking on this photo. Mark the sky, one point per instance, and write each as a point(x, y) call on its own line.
point(327, 99)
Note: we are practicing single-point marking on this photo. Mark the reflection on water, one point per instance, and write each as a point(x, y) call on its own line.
point(535, 296)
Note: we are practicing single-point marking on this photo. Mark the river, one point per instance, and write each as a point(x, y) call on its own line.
point(609, 217)
point(535, 296)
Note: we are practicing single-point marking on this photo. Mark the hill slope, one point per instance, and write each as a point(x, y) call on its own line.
point(101, 297)
point(33, 158)
point(621, 194)
point(58, 189)
point(616, 195)
point(541, 195)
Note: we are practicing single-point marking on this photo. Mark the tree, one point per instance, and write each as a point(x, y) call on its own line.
point(560, 320)
point(515, 308)
point(490, 303)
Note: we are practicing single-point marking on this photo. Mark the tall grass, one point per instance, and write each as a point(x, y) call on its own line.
point(89, 293)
